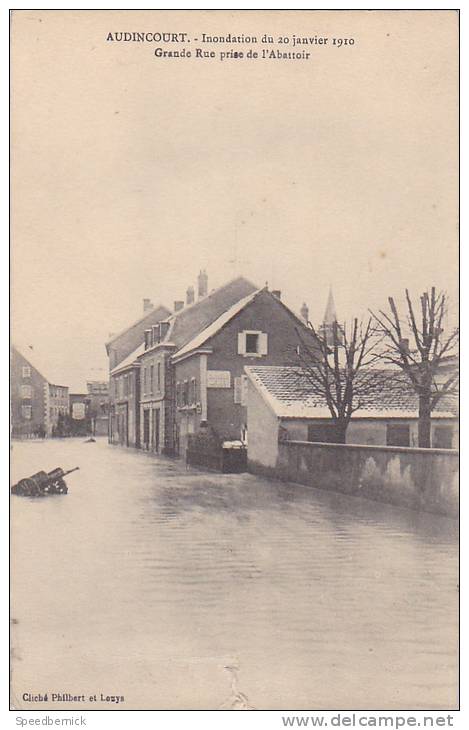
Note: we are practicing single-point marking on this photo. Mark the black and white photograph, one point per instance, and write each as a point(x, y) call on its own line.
point(234, 362)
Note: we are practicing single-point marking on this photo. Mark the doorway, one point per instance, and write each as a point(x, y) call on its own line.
point(146, 429)
point(155, 430)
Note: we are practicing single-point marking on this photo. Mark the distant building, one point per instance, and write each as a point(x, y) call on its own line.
point(36, 403)
point(326, 329)
point(280, 407)
point(58, 405)
point(79, 422)
point(124, 395)
point(98, 406)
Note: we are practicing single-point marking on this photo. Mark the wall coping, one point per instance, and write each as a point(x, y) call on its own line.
point(373, 447)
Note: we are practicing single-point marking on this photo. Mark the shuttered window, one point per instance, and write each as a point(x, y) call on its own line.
point(241, 390)
point(237, 390)
point(252, 343)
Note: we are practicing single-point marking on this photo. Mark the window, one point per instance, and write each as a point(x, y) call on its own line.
point(178, 394)
point(397, 435)
point(126, 385)
point(443, 437)
point(145, 383)
point(152, 375)
point(26, 391)
point(158, 376)
point(323, 433)
point(193, 391)
point(26, 371)
point(252, 343)
point(185, 393)
point(26, 412)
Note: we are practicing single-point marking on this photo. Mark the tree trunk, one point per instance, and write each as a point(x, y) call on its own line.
point(424, 428)
point(341, 431)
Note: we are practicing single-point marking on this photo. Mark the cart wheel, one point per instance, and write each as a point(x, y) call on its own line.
point(28, 487)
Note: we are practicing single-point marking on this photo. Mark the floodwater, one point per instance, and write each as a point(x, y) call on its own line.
point(179, 589)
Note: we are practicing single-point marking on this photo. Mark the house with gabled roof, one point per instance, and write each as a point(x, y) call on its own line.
point(38, 396)
point(192, 370)
point(283, 406)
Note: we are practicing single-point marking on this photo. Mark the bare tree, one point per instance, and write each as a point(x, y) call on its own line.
point(420, 347)
point(338, 368)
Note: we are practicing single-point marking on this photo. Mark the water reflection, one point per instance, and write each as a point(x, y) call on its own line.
point(150, 580)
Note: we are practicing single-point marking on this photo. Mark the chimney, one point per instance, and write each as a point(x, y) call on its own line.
point(305, 312)
point(190, 296)
point(147, 305)
point(202, 280)
point(178, 305)
point(277, 293)
point(164, 327)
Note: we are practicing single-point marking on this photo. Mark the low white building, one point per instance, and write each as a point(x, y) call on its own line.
point(279, 407)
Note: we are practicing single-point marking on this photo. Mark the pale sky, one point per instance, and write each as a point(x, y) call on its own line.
point(130, 173)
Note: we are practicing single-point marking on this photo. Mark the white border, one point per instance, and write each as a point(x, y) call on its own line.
point(195, 720)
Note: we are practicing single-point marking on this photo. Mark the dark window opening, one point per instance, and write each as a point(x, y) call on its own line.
point(398, 435)
point(252, 343)
point(324, 433)
point(443, 437)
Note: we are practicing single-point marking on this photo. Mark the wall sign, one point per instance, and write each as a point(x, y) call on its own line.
point(78, 411)
point(218, 379)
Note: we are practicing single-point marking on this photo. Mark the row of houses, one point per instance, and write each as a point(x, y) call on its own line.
point(188, 369)
point(41, 404)
point(224, 362)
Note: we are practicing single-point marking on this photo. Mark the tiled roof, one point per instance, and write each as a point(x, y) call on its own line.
point(156, 314)
point(191, 320)
point(215, 326)
point(205, 335)
point(129, 360)
point(290, 395)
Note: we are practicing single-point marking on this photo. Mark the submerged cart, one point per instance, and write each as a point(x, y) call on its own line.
point(42, 483)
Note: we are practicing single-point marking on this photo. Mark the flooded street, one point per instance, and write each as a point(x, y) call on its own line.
point(148, 580)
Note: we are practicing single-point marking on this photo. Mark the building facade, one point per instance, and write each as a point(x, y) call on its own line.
point(29, 398)
point(124, 379)
point(280, 410)
point(36, 404)
point(193, 382)
point(160, 428)
point(58, 405)
point(98, 406)
point(187, 373)
point(124, 398)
